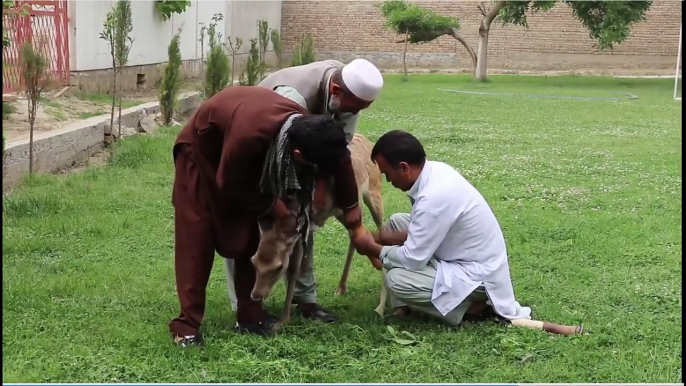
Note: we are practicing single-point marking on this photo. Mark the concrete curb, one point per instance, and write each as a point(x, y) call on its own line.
point(75, 142)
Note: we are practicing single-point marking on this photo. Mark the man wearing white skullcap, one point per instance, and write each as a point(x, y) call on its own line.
point(342, 90)
point(329, 86)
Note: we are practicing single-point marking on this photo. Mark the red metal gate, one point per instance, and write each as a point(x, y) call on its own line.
point(44, 24)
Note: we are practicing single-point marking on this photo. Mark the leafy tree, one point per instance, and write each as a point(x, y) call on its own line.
point(116, 30)
point(203, 33)
point(218, 71)
point(233, 47)
point(123, 26)
point(107, 34)
point(276, 44)
point(263, 35)
point(167, 7)
point(171, 83)
point(608, 22)
point(304, 52)
point(418, 25)
point(253, 66)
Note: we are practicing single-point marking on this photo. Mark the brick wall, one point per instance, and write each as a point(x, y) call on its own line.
point(554, 41)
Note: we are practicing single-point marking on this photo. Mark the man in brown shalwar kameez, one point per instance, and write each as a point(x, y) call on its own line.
point(218, 193)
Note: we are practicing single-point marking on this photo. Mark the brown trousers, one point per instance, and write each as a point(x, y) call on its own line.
point(195, 247)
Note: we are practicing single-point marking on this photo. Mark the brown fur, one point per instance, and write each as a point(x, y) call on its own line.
point(277, 244)
point(272, 256)
point(368, 178)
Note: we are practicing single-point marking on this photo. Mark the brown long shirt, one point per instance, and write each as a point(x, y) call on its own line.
point(229, 136)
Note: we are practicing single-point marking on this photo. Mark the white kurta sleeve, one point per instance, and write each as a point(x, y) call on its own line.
point(426, 233)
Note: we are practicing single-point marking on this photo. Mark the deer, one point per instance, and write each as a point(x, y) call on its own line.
point(277, 245)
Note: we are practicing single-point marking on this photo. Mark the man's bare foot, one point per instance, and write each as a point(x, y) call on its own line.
point(476, 308)
point(400, 315)
point(479, 311)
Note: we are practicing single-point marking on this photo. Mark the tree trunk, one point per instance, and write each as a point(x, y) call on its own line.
point(407, 39)
point(202, 56)
point(466, 45)
point(482, 48)
point(482, 55)
point(233, 67)
point(32, 120)
point(263, 68)
point(119, 119)
point(114, 93)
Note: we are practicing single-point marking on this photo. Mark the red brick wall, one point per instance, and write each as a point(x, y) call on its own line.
point(555, 40)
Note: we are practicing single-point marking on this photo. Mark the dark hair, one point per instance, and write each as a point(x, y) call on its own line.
point(320, 139)
point(398, 146)
point(337, 78)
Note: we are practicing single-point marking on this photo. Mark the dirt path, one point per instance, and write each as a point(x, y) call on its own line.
point(54, 112)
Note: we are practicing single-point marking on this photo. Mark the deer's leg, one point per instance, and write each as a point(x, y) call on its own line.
point(343, 283)
point(230, 287)
point(229, 269)
point(374, 202)
point(383, 296)
point(293, 272)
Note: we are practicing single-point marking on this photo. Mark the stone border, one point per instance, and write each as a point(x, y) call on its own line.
point(75, 142)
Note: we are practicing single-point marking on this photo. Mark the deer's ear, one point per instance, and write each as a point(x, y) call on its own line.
point(298, 156)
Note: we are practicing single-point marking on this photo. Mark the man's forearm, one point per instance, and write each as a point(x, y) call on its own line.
point(345, 194)
point(374, 255)
point(392, 238)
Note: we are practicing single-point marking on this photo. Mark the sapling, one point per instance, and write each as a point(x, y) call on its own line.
point(171, 83)
point(34, 68)
point(123, 41)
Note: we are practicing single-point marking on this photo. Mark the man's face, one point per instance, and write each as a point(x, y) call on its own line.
point(342, 103)
point(399, 176)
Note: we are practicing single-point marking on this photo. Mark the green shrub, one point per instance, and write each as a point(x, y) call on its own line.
point(171, 83)
point(218, 67)
point(254, 64)
point(304, 52)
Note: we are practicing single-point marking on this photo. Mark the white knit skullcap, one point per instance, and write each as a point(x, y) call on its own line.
point(363, 79)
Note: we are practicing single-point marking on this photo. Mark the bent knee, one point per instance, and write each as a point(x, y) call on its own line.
point(396, 280)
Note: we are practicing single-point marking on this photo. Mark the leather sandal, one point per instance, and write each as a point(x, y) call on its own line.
point(187, 340)
point(265, 328)
point(262, 329)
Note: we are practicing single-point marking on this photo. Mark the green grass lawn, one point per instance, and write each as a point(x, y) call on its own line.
point(588, 194)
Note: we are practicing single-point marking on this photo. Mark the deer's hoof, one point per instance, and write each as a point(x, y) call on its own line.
point(379, 310)
point(279, 325)
point(340, 291)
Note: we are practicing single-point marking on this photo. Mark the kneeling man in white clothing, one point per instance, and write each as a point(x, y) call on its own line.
point(447, 257)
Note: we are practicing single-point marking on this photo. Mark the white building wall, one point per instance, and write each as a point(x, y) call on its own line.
point(152, 35)
point(244, 16)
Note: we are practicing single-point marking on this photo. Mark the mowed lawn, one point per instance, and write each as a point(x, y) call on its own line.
point(588, 194)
